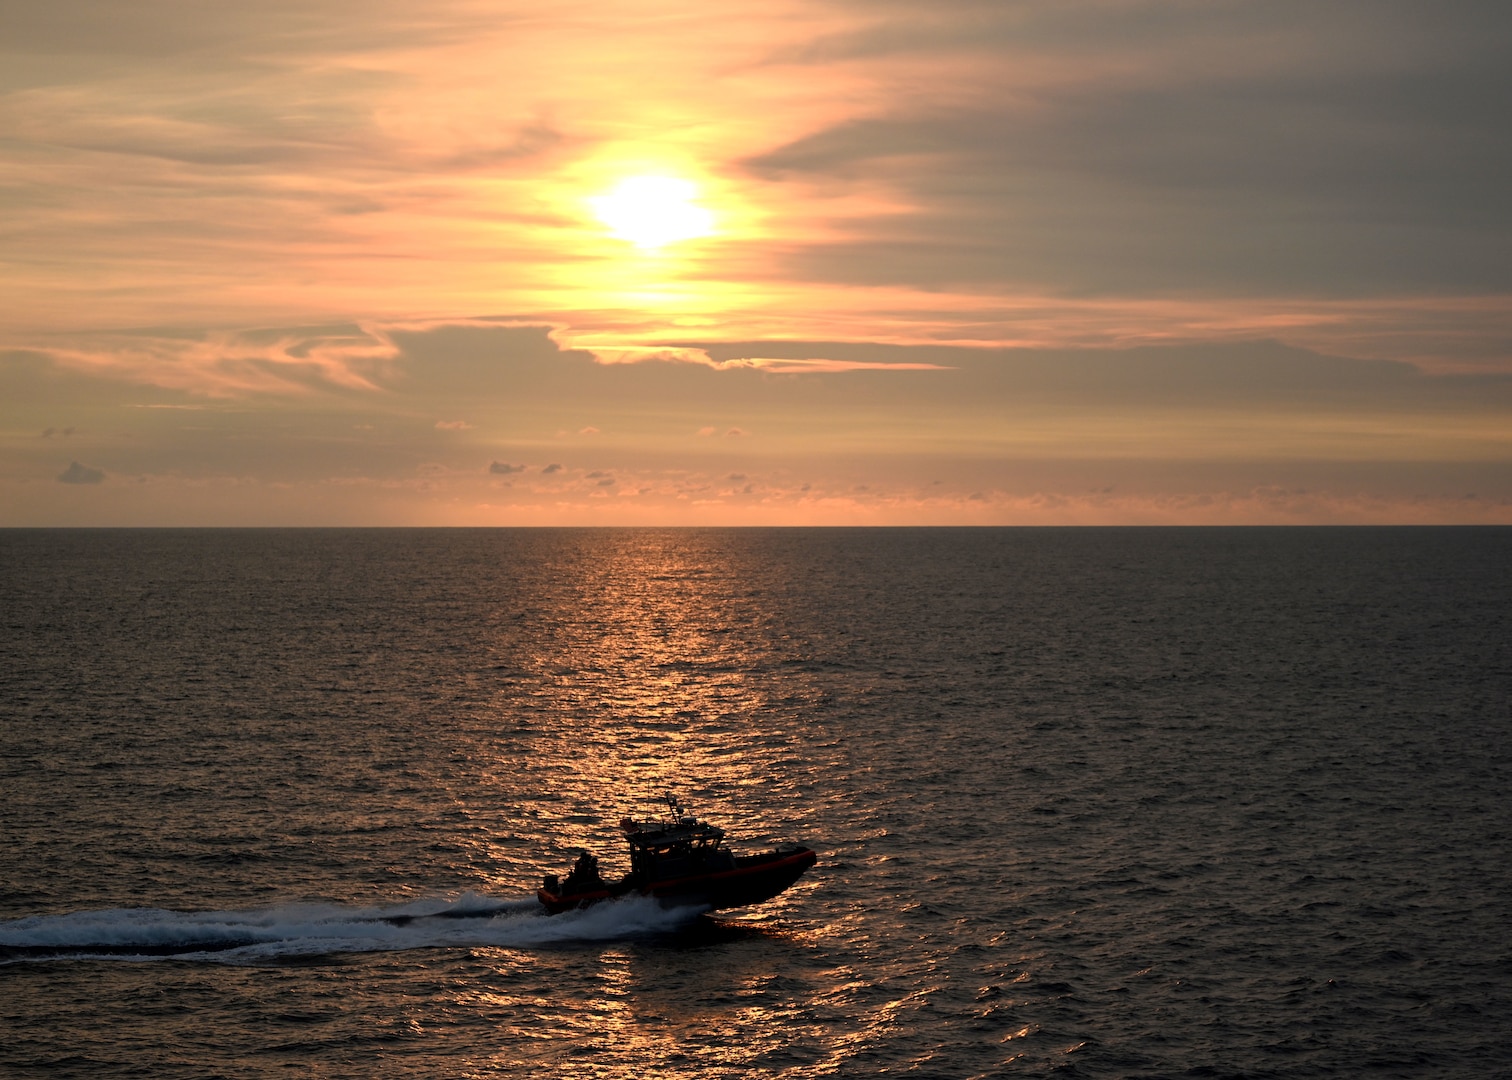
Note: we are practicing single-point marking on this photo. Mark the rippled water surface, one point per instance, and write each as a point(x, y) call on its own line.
point(1087, 802)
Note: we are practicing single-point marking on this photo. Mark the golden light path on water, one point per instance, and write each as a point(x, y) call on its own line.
point(653, 675)
point(648, 676)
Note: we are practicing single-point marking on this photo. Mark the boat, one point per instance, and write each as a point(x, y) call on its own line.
point(682, 862)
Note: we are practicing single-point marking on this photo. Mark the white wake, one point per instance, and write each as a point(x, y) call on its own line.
point(266, 934)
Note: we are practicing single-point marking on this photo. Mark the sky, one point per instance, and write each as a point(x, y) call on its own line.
point(839, 262)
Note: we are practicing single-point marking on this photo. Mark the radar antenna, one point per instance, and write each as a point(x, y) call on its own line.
point(681, 815)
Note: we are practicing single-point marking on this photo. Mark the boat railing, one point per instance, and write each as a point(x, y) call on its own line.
point(675, 816)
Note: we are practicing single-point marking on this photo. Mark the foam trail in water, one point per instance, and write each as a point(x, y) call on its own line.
point(314, 929)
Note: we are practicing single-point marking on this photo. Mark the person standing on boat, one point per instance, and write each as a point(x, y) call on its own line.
point(585, 873)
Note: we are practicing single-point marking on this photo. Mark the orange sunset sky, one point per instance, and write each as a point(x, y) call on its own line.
point(487, 262)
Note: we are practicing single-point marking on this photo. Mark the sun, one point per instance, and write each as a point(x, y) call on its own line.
point(653, 211)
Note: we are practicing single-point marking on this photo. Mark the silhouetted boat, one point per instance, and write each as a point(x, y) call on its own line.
point(683, 862)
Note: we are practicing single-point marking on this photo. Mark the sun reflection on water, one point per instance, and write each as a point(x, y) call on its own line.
point(643, 662)
point(649, 669)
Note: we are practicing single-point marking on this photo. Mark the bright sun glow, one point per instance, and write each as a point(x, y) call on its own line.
point(653, 211)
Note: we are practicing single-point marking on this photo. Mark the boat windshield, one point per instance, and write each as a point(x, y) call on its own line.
point(675, 846)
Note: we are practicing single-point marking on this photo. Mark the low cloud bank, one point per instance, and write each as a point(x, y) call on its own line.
point(971, 419)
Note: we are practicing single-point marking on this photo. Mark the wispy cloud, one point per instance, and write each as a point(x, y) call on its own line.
point(225, 363)
point(629, 354)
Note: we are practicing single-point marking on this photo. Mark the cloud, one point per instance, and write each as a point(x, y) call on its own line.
point(80, 474)
point(683, 354)
point(500, 468)
point(452, 425)
point(291, 362)
point(1222, 417)
point(528, 385)
point(1248, 375)
point(815, 366)
point(1240, 149)
point(645, 354)
point(588, 431)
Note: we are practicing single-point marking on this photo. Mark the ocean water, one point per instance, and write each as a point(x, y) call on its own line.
point(1088, 803)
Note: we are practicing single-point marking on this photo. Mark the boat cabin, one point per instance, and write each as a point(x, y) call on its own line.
point(680, 846)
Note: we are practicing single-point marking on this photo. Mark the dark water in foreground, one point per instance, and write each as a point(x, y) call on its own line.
point(1088, 802)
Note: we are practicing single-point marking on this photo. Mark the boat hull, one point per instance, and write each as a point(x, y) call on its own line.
point(753, 880)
